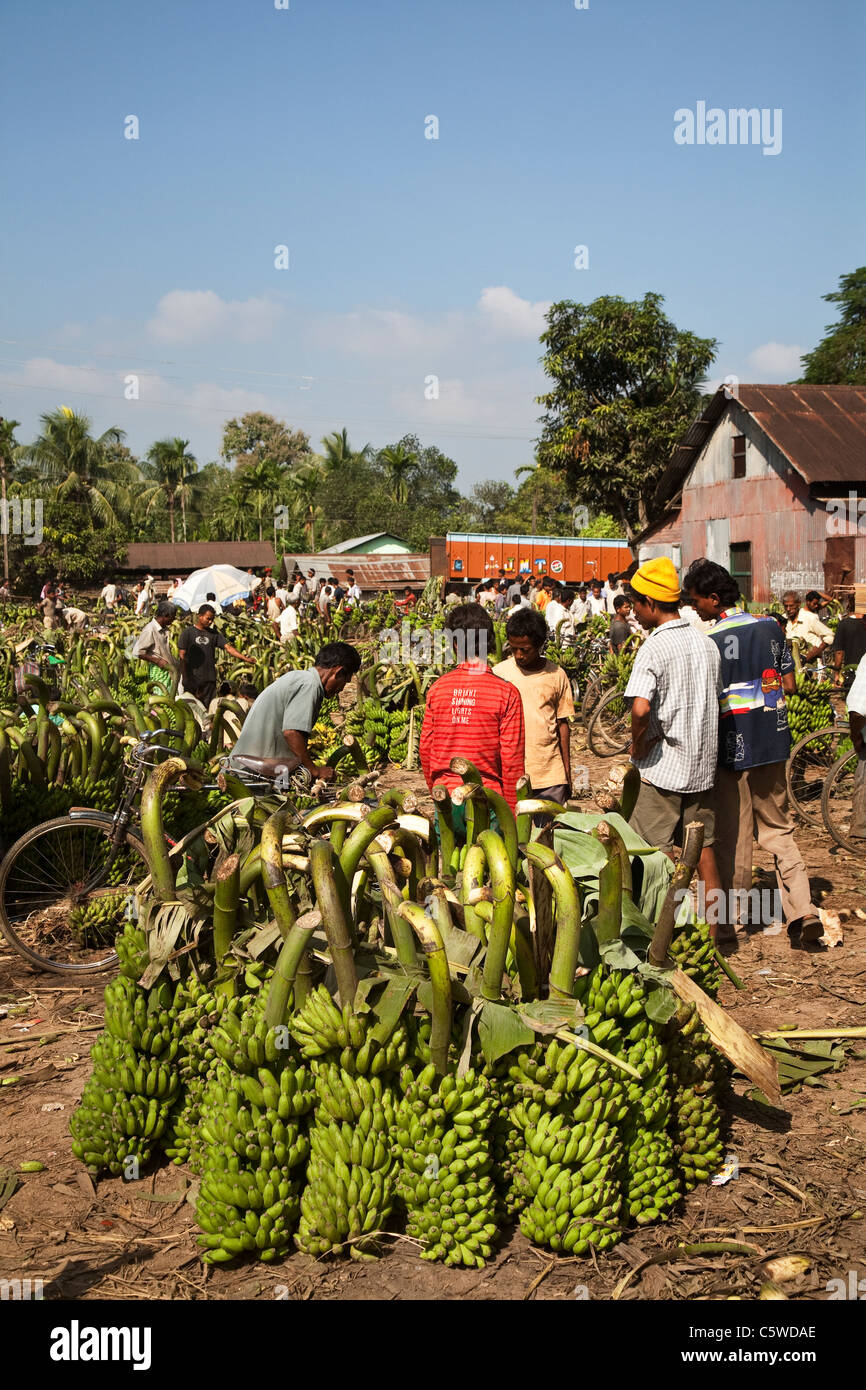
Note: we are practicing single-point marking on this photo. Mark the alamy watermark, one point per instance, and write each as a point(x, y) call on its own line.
point(721, 907)
point(22, 518)
point(424, 647)
point(854, 1288)
point(21, 1290)
point(846, 518)
point(735, 126)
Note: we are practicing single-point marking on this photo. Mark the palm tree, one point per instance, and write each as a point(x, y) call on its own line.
point(399, 463)
point(67, 454)
point(337, 452)
point(259, 483)
point(303, 485)
point(170, 469)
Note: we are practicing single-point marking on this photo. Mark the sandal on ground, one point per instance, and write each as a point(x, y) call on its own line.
point(812, 928)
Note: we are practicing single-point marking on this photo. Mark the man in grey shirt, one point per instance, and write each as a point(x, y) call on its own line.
point(276, 730)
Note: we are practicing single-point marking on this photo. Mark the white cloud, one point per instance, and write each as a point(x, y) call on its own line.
point(196, 316)
point(776, 360)
point(387, 333)
point(509, 315)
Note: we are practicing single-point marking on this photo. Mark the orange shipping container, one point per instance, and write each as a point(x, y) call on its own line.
point(473, 557)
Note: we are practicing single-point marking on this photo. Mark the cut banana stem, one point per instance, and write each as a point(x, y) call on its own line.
point(693, 843)
point(440, 980)
point(152, 832)
point(502, 882)
point(609, 924)
point(323, 867)
point(225, 912)
point(273, 873)
point(473, 890)
point(292, 953)
point(566, 950)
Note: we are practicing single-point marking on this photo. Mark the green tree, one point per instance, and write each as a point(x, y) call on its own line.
point(338, 454)
point(259, 485)
point(602, 527)
point(257, 436)
point(66, 455)
point(626, 385)
point(304, 486)
point(70, 549)
point(168, 475)
point(840, 357)
point(399, 465)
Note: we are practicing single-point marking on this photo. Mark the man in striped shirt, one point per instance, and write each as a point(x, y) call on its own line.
point(471, 713)
point(674, 688)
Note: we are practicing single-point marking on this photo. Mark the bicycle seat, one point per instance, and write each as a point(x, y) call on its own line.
point(266, 767)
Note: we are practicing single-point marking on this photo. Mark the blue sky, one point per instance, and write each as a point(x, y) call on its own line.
point(408, 257)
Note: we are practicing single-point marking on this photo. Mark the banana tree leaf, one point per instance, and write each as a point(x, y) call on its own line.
point(549, 1015)
point(164, 925)
point(661, 1004)
point(459, 993)
point(390, 1005)
point(584, 856)
point(656, 973)
point(617, 956)
point(500, 1031)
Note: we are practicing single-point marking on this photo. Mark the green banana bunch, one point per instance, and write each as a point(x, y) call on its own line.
point(569, 1181)
point(252, 1129)
point(100, 919)
point(810, 707)
point(126, 1101)
point(446, 1161)
point(693, 951)
point(350, 1177)
point(699, 1075)
point(132, 952)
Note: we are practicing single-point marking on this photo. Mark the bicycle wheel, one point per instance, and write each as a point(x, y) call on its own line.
point(609, 731)
point(48, 881)
point(591, 696)
point(807, 767)
point(837, 803)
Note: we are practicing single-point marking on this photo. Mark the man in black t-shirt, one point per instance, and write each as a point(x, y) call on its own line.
point(849, 644)
point(619, 631)
point(197, 650)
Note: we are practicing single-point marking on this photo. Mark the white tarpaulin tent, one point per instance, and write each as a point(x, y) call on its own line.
point(227, 582)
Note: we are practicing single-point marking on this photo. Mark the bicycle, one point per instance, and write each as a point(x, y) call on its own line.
point(74, 860)
point(837, 799)
point(609, 730)
point(811, 759)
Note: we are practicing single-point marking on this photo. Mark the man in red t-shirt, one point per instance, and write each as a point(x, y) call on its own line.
point(471, 713)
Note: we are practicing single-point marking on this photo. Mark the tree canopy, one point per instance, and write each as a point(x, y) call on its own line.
point(626, 385)
point(840, 357)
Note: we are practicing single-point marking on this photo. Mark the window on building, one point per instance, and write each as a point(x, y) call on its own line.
point(739, 455)
point(741, 567)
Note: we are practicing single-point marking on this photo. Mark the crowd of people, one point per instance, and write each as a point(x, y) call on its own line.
point(709, 728)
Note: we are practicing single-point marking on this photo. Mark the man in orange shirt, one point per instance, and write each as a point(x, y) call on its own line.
point(545, 693)
point(471, 713)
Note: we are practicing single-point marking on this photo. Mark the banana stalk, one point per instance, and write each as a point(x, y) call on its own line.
point(502, 882)
point(693, 843)
point(225, 913)
point(440, 980)
point(609, 923)
point(472, 878)
point(566, 896)
point(152, 833)
point(392, 900)
point(630, 792)
point(273, 873)
point(447, 837)
point(323, 866)
point(293, 954)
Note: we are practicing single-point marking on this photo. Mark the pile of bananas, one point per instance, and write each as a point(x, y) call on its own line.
point(698, 1074)
point(99, 920)
point(351, 1174)
point(446, 1160)
point(252, 1125)
point(126, 1100)
point(384, 733)
point(692, 949)
point(810, 707)
point(651, 1179)
point(31, 804)
point(569, 1177)
point(616, 669)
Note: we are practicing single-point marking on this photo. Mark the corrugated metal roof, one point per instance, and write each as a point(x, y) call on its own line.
point(183, 558)
point(372, 572)
point(821, 430)
point(353, 541)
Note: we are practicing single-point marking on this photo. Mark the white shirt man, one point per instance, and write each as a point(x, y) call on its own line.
point(609, 593)
point(353, 595)
point(282, 594)
point(288, 622)
point(579, 611)
point(595, 604)
point(109, 595)
point(554, 614)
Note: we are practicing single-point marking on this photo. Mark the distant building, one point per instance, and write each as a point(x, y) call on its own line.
point(184, 557)
point(379, 543)
point(771, 483)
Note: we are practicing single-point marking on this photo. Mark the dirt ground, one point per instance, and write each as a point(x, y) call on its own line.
point(801, 1187)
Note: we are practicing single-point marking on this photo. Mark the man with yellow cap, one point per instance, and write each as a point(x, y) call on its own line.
point(674, 688)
